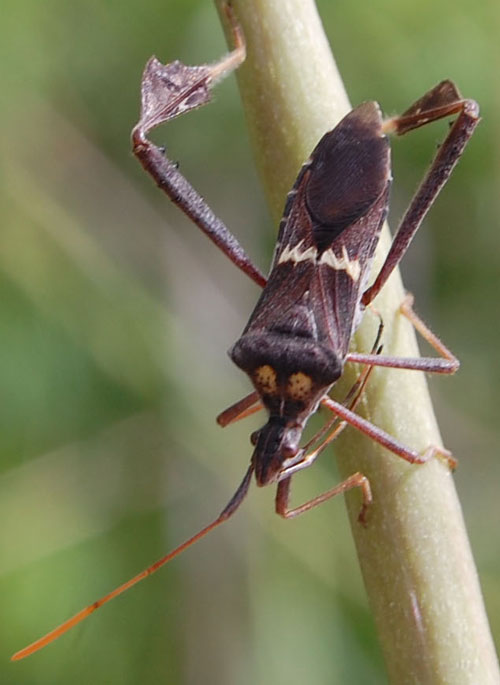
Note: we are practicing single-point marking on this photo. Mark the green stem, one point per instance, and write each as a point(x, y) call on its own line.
point(414, 553)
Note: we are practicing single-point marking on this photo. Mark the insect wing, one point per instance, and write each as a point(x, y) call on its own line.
point(328, 234)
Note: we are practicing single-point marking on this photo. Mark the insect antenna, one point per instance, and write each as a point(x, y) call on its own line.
point(226, 513)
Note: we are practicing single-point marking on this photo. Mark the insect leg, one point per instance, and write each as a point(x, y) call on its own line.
point(357, 480)
point(448, 364)
point(386, 440)
point(240, 410)
point(351, 400)
point(333, 427)
point(167, 92)
point(441, 101)
point(407, 310)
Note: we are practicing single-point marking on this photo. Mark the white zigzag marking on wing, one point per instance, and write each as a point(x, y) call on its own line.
point(297, 254)
point(351, 267)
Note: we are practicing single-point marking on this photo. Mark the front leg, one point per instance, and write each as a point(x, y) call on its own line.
point(357, 480)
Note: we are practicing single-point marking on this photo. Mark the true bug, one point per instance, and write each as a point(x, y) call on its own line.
point(296, 342)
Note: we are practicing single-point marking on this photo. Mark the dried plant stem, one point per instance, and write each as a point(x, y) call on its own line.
point(414, 554)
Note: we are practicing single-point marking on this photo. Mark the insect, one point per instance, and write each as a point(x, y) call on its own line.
point(296, 343)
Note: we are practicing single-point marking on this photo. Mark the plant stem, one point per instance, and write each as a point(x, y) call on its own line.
point(414, 553)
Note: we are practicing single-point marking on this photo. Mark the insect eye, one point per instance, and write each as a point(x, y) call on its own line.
point(254, 437)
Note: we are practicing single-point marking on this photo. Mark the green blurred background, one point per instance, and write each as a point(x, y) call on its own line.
point(115, 317)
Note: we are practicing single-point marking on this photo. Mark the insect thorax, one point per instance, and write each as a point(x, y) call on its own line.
point(291, 374)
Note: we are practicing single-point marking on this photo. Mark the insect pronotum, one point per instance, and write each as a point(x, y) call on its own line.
point(296, 342)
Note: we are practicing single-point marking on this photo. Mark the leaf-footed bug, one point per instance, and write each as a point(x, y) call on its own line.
point(296, 342)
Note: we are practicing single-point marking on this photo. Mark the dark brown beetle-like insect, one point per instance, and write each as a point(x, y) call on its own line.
point(296, 342)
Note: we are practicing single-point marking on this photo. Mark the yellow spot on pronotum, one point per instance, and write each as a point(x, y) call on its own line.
point(265, 379)
point(299, 386)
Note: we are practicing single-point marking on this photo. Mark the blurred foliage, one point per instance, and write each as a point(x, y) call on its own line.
point(115, 318)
